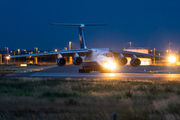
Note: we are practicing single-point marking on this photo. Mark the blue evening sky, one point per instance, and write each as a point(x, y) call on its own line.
point(24, 24)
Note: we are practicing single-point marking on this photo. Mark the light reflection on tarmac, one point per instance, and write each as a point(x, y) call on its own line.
point(125, 72)
point(149, 76)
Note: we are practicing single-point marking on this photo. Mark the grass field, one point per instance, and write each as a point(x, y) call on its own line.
point(38, 98)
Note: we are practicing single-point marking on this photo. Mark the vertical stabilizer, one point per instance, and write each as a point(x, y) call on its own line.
point(82, 38)
point(81, 31)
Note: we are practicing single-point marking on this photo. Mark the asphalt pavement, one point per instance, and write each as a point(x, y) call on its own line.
point(123, 72)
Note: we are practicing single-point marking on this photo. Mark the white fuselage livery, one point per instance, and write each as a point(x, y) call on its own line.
point(100, 55)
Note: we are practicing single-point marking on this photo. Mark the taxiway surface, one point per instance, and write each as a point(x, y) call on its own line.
point(124, 72)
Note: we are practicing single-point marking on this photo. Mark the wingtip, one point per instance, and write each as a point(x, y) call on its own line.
point(51, 23)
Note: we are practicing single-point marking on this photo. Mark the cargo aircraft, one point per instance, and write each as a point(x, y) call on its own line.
point(95, 59)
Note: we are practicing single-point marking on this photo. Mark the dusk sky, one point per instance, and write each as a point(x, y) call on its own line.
point(24, 24)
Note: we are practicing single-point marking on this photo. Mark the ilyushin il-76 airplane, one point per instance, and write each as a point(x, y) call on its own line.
point(95, 59)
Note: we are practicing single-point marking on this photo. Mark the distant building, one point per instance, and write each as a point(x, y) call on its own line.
point(139, 50)
point(144, 61)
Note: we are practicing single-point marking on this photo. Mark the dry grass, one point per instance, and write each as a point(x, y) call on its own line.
point(37, 98)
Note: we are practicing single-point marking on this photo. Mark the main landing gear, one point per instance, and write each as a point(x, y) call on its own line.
point(84, 70)
point(88, 71)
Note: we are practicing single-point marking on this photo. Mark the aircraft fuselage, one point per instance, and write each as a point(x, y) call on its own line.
point(97, 59)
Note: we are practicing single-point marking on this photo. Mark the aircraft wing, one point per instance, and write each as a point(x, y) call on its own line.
point(51, 53)
point(130, 53)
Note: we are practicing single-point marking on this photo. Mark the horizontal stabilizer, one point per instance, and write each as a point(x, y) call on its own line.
point(79, 25)
point(81, 30)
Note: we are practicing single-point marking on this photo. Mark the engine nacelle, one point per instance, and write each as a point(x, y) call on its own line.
point(61, 61)
point(122, 61)
point(77, 60)
point(135, 62)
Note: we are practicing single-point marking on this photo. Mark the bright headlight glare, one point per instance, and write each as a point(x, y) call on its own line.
point(106, 65)
point(172, 59)
point(110, 65)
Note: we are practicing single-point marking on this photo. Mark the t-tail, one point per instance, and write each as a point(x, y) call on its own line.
point(81, 31)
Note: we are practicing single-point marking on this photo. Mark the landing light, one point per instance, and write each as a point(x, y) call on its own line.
point(172, 59)
point(110, 65)
point(7, 57)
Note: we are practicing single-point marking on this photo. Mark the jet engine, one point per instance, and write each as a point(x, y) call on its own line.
point(77, 60)
point(135, 61)
point(122, 60)
point(61, 61)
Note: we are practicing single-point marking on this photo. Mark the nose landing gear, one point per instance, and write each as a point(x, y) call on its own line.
point(88, 70)
point(87, 67)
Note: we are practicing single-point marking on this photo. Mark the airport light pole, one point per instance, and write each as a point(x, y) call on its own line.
point(130, 44)
point(7, 58)
point(154, 54)
point(0, 58)
point(7, 51)
point(169, 48)
point(159, 57)
point(36, 49)
point(170, 52)
point(14, 57)
point(18, 54)
point(69, 45)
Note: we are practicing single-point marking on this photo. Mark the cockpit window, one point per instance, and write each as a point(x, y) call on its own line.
point(108, 54)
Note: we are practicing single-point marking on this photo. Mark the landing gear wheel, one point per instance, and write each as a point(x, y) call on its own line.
point(102, 71)
point(84, 71)
point(87, 71)
point(81, 70)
